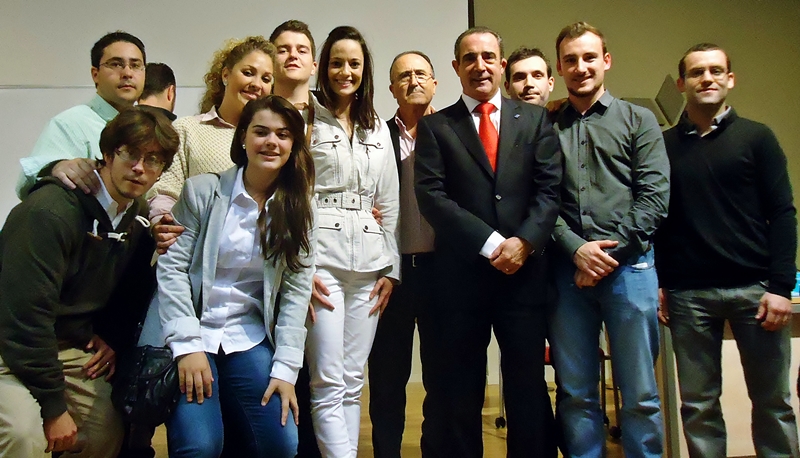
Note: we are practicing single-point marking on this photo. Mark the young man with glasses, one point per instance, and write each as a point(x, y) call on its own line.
point(68, 146)
point(63, 254)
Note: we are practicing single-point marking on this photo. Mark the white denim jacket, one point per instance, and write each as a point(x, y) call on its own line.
point(351, 239)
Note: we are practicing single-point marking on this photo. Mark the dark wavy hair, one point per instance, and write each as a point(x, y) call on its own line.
point(362, 112)
point(290, 213)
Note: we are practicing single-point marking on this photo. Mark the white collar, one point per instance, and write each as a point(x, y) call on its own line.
point(107, 202)
point(496, 100)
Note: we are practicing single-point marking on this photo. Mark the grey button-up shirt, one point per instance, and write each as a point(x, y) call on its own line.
point(616, 177)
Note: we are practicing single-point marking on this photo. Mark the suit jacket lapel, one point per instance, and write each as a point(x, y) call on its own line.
point(394, 132)
point(509, 126)
point(464, 127)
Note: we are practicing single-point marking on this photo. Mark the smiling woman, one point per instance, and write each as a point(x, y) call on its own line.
point(357, 258)
point(240, 72)
point(236, 326)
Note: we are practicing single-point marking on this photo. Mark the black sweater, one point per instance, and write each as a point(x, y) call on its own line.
point(731, 217)
point(55, 275)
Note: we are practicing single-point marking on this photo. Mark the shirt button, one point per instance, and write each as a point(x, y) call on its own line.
point(583, 166)
point(583, 212)
point(583, 188)
point(336, 137)
point(583, 142)
point(498, 197)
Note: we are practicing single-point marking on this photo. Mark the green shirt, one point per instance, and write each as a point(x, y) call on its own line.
point(71, 134)
point(616, 177)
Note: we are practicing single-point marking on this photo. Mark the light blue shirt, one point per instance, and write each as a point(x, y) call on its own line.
point(71, 134)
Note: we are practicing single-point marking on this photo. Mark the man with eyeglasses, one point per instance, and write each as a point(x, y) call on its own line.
point(413, 85)
point(726, 252)
point(64, 255)
point(67, 148)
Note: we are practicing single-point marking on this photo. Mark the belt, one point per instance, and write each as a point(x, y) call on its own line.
point(418, 259)
point(346, 200)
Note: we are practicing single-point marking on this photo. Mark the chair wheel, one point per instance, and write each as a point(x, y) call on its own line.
point(500, 422)
point(615, 432)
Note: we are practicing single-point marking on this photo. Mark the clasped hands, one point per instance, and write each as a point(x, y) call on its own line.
point(510, 255)
point(593, 263)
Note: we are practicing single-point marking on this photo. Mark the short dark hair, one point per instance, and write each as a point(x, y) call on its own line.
point(290, 211)
point(405, 53)
point(363, 111)
point(523, 53)
point(474, 31)
point(293, 25)
point(139, 127)
point(157, 78)
point(111, 38)
point(701, 47)
point(576, 30)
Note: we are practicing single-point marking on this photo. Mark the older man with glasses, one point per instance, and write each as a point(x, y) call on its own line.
point(68, 146)
point(413, 85)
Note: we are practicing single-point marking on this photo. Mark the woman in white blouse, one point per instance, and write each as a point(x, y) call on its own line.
point(247, 241)
point(357, 259)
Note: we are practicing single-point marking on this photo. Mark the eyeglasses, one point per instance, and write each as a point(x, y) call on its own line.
point(118, 65)
point(151, 162)
point(421, 75)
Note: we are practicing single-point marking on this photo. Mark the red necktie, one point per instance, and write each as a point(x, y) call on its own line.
point(488, 133)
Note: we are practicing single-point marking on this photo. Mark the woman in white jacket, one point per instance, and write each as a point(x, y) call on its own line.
point(248, 240)
point(357, 259)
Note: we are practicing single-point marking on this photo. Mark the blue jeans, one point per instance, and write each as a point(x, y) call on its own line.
point(627, 302)
point(697, 318)
point(250, 429)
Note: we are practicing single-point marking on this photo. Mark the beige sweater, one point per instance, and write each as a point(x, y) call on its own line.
point(205, 145)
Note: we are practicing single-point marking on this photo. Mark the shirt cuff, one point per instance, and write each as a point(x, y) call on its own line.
point(282, 371)
point(491, 244)
point(193, 345)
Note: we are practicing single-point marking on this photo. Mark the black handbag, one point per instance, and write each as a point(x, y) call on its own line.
point(145, 387)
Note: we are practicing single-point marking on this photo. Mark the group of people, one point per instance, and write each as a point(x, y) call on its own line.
point(301, 237)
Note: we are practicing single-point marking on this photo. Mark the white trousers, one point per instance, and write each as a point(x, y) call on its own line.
point(337, 349)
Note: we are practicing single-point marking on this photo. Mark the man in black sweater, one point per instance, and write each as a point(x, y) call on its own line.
point(727, 252)
point(62, 253)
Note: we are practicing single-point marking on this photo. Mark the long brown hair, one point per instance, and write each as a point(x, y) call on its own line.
point(231, 53)
point(362, 112)
point(290, 214)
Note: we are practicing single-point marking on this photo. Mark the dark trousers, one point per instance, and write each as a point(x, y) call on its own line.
point(465, 314)
point(390, 359)
point(138, 440)
point(306, 439)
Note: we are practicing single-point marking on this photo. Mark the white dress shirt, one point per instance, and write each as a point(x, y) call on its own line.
point(115, 214)
point(495, 239)
point(233, 320)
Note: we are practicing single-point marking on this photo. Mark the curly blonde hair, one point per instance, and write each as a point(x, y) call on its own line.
point(228, 56)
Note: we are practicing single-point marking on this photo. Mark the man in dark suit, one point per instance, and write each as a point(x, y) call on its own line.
point(413, 85)
point(487, 172)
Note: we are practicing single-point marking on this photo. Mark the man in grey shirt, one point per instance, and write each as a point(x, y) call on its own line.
point(614, 195)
